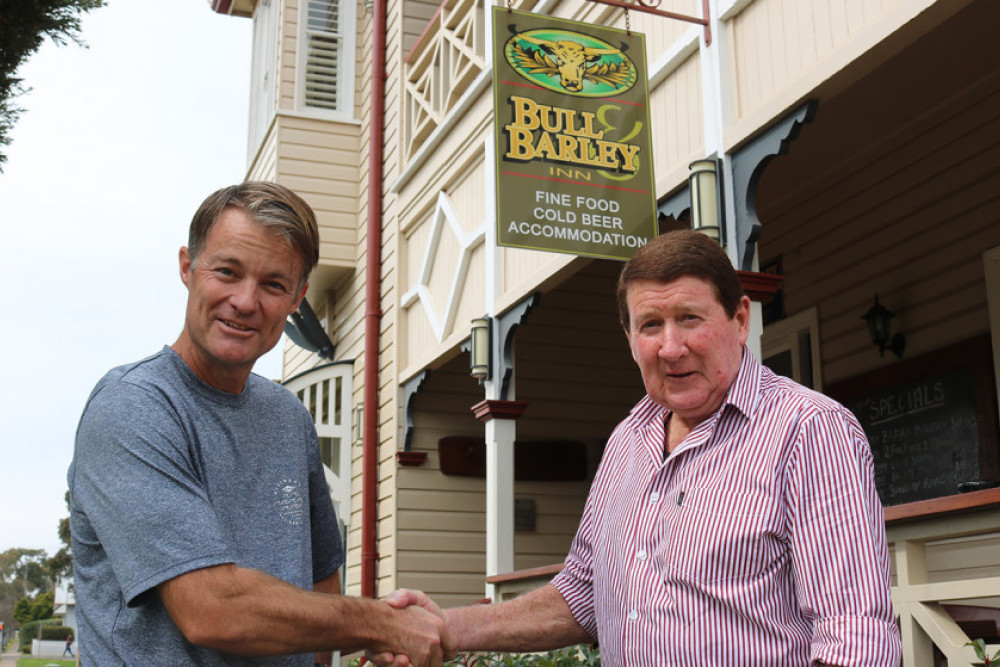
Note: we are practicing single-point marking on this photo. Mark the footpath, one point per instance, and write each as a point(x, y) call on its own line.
point(10, 656)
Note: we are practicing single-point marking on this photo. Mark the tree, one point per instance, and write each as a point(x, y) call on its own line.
point(24, 569)
point(36, 608)
point(61, 565)
point(24, 26)
point(22, 574)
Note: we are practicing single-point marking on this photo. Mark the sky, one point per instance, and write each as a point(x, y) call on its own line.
point(118, 145)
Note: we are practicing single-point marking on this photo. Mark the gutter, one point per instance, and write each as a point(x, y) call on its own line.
point(373, 308)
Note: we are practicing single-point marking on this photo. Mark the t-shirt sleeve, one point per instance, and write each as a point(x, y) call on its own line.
point(136, 480)
point(839, 549)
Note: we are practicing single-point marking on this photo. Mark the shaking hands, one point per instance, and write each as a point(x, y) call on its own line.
point(422, 636)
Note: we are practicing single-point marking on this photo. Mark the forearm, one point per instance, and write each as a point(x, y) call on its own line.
point(536, 621)
point(247, 612)
point(331, 586)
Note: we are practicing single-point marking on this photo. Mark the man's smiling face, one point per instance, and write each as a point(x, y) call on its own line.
point(687, 348)
point(241, 288)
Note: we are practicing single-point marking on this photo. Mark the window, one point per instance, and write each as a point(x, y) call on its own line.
point(790, 347)
point(262, 83)
point(325, 83)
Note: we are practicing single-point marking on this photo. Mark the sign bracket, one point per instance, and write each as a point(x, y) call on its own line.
point(651, 8)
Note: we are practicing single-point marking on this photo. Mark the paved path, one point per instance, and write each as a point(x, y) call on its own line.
point(10, 656)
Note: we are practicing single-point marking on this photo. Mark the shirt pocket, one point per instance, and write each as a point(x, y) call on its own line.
point(715, 535)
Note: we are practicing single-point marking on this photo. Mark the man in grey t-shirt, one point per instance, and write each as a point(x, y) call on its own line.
point(203, 531)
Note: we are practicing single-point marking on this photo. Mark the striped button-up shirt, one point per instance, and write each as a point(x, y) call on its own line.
point(758, 541)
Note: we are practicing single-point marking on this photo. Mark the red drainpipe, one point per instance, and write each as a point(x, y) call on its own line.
point(373, 309)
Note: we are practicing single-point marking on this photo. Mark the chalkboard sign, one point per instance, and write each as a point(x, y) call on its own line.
point(924, 436)
point(930, 420)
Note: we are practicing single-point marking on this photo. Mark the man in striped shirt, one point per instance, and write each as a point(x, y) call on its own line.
point(733, 519)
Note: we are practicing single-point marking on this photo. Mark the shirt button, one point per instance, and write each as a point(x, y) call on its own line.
point(632, 615)
point(654, 496)
point(641, 555)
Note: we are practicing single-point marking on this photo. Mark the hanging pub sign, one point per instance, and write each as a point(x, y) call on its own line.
point(573, 148)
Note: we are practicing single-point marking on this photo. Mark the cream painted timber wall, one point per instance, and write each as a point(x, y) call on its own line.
point(781, 50)
point(910, 219)
point(317, 158)
point(416, 15)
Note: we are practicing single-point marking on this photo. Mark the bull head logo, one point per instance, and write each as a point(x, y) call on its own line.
point(583, 65)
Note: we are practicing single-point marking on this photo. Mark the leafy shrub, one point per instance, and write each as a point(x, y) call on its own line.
point(34, 630)
point(54, 632)
point(26, 633)
point(979, 646)
point(572, 656)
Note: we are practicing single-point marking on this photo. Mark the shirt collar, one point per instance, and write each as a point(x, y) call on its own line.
point(744, 394)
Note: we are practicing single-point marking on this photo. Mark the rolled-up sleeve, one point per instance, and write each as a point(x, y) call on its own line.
point(839, 550)
point(575, 581)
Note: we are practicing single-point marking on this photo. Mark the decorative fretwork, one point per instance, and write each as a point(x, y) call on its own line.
point(449, 55)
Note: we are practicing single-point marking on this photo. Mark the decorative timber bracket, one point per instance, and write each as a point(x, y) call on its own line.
point(748, 165)
point(410, 388)
point(506, 325)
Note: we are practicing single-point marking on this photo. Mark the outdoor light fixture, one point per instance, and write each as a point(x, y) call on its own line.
point(479, 349)
point(879, 320)
point(706, 199)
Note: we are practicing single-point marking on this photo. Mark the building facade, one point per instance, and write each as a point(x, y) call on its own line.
point(857, 147)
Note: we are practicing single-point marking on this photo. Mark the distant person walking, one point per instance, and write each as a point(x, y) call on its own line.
point(69, 646)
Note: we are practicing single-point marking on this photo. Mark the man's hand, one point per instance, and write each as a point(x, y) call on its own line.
point(414, 602)
point(405, 597)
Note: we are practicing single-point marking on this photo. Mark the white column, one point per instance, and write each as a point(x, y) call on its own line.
point(499, 497)
point(500, 433)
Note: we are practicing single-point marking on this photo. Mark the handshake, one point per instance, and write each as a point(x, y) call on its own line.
point(421, 634)
point(424, 634)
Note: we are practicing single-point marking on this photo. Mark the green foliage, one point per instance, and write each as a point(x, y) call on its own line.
point(33, 629)
point(61, 565)
point(23, 28)
point(572, 656)
point(25, 570)
point(55, 632)
point(37, 608)
point(979, 646)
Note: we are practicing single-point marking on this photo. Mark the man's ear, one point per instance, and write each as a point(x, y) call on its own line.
point(743, 319)
point(185, 264)
point(298, 299)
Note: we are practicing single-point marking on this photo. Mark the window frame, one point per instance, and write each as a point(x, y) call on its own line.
point(798, 334)
point(263, 70)
point(345, 60)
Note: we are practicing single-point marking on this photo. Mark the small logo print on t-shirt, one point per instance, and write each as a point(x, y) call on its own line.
point(291, 506)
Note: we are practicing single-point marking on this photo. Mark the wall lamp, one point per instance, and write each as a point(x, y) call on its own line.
point(705, 185)
point(879, 320)
point(479, 349)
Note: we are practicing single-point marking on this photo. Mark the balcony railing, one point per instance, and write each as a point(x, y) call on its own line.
point(947, 552)
point(947, 558)
point(449, 55)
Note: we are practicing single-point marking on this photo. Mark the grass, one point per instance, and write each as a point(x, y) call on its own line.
point(42, 662)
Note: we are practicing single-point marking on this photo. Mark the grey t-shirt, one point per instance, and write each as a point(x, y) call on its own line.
point(171, 475)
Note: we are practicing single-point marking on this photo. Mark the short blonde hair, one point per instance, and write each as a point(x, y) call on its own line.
point(274, 206)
